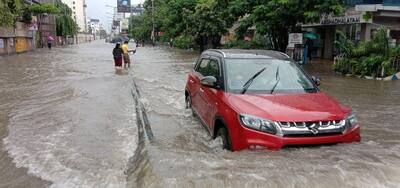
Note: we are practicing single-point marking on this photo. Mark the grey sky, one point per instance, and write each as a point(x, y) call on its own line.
point(97, 9)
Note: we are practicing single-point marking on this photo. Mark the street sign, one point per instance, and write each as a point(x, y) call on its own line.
point(296, 38)
point(123, 5)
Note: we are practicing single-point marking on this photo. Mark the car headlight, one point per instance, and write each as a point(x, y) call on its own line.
point(258, 124)
point(351, 120)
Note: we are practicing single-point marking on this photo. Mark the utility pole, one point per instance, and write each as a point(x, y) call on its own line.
point(153, 30)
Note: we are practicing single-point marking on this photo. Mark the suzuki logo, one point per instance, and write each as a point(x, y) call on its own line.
point(313, 128)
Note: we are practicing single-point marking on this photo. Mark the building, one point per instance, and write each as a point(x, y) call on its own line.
point(27, 36)
point(94, 26)
point(360, 21)
point(78, 8)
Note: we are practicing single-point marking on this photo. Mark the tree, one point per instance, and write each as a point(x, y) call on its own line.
point(277, 18)
point(10, 12)
point(65, 25)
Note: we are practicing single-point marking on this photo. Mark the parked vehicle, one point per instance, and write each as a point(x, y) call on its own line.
point(262, 99)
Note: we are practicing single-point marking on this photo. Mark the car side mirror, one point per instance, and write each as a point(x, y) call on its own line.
point(209, 81)
point(316, 80)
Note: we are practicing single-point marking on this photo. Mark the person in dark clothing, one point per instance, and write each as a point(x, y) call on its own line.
point(117, 53)
point(309, 44)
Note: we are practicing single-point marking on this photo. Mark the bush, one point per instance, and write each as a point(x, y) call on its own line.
point(367, 58)
point(183, 42)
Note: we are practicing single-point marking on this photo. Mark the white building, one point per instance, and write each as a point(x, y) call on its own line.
point(78, 8)
point(94, 26)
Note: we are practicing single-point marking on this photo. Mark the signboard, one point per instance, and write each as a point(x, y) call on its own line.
point(124, 5)
point(329, 19)
point(296, 38)
point(350, 17)
point(125, 24)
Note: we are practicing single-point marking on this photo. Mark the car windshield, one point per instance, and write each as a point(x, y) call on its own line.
point(279, 76)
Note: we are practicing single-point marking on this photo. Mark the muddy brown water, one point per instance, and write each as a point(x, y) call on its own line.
point(183, 154)
point(67, 120)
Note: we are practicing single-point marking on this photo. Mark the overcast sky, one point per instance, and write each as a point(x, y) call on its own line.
point(97, 9)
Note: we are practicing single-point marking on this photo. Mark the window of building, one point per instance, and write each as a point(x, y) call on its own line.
point(73, 7)
point(73, 2)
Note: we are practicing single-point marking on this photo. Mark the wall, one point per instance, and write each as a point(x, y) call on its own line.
point(83, 38)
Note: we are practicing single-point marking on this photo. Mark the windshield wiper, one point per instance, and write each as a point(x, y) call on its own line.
point(277, 78)
point(250, 81)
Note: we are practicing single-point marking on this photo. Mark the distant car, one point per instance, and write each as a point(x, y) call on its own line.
point(261, 99)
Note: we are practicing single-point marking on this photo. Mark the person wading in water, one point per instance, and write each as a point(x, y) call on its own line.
point(126, 50)
point(117, 53)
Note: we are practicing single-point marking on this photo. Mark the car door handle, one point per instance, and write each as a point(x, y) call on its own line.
point(202, 90)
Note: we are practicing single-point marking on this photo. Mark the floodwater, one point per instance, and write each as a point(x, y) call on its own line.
point(67, 119)
point(182, 153)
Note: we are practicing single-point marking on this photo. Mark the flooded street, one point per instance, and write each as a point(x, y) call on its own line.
point(68, 120)
point(182, 153)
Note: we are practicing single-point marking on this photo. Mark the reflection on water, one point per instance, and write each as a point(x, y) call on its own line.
point(183, 154)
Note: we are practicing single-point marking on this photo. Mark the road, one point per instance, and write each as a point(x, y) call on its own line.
point(68, 120)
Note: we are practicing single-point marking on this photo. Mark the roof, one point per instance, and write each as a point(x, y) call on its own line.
point(241, 53)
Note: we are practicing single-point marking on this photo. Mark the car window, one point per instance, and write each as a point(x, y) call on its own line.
point(279, 76)
point(203, 66)
point(213, 69)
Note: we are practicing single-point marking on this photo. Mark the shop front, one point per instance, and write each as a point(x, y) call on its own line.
point(352, 24)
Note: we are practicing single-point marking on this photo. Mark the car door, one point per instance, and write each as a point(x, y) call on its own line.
point(196, 90)
point(210, 95)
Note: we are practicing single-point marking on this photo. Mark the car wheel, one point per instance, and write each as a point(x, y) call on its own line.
point(189, 104)
point(226, 142)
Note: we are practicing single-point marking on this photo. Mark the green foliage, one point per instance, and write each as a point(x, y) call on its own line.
point(10, 12)
point(183, 42)
point(277, 18)
point(207, 20)
point(367, 58)
point(65, 25)
point(43, 8)
point(140, 27)
point(367, 16)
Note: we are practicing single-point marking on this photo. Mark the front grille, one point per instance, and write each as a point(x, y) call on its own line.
point(312, 128)
point(308, 124)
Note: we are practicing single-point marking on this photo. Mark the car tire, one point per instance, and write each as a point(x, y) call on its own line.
point(226, 141)
point(189, 104)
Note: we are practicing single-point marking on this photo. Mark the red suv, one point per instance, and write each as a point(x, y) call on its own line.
point(261, 99)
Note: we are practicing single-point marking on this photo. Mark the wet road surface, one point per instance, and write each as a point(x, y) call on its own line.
point(66, 118)
point(182, 153)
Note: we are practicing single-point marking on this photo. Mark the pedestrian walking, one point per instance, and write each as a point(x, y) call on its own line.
point(117, 53)
point(126, 50)
point(50, 40)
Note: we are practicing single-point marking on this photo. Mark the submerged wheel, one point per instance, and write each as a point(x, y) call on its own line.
point(189, 104)
point(226, 142)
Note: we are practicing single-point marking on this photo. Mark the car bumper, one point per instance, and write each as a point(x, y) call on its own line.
point(254, 139)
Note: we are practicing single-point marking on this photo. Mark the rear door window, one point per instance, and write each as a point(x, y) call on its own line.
point(203, 66)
